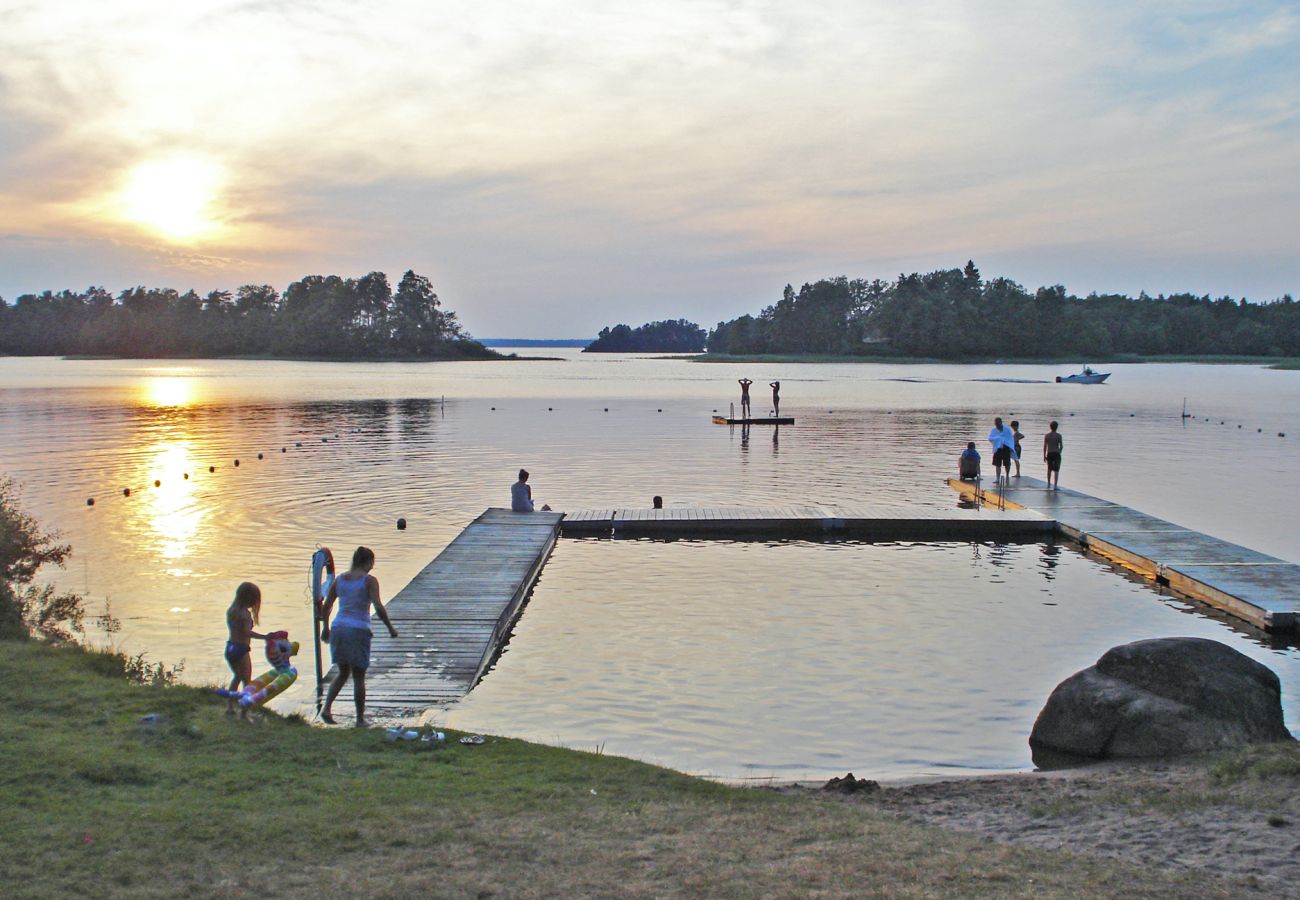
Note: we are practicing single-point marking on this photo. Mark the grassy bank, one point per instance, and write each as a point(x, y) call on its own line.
point(98, 804)
point(1071, 363)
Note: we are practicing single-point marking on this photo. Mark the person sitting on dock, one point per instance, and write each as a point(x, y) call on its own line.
point(521, 495)
point(1053, 444)
point(776, 398)
point(744, 397)
point(968, 466)
point(1003, 440)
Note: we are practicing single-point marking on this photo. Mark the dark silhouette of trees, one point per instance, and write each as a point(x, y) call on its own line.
point(669, 336)
point(319, 316)
point(957, 314)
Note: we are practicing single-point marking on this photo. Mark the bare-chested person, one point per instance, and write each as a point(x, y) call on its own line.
point(744, 397)
point(1053, 444)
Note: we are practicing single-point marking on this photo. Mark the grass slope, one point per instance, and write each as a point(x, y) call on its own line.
point(95, 804)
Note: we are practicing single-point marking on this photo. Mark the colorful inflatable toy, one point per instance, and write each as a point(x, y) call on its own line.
point(269, 684)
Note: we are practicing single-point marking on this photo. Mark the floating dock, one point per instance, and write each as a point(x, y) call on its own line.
point(880, 523)
point(764, 420)
point(454, 615)
point(1263, 590)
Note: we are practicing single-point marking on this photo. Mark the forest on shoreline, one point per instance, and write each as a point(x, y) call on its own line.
point(316, 317)
point(955, 314)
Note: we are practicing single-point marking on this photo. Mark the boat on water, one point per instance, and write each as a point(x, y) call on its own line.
point(1087, 376)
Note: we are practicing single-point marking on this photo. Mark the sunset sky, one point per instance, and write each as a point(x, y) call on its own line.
point(555, 167)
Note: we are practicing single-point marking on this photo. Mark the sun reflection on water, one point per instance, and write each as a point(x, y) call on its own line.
point(170, 519)
point(170, 390)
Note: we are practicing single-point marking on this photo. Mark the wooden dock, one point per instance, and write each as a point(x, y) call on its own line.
point(1261, 589)
point(762, 420)
point(453, 616)
point(869, 522)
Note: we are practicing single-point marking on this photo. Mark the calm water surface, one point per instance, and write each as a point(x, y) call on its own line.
point(748, 659)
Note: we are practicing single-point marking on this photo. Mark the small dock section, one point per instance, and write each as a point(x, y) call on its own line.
point(880, 523)
point(1253, 586)
point(762, 420)
point(453, 616)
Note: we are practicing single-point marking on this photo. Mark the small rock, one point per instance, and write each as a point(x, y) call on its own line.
point(850, 785)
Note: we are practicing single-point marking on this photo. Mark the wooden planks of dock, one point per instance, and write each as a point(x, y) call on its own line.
point(1253, 586)
point(453, 616)
point(761, 420)
point(874, 522)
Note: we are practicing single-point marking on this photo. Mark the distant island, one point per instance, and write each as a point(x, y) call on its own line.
point(317, 317)
point(672, 336)
point(534, 342)
point(956, 314)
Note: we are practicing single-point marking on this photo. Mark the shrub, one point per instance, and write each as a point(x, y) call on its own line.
point(26, 608)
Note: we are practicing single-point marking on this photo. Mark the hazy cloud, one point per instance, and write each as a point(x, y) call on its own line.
point(555, 166)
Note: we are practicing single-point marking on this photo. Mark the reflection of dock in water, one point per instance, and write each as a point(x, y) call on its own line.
point(1261, 589)
point(455, 614)
point(764, 420)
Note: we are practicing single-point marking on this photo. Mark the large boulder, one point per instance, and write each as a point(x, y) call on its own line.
point(1161, 697)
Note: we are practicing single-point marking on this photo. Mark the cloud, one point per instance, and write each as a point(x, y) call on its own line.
point(588, 151)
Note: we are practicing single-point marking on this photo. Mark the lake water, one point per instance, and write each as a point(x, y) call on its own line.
point(754, 659)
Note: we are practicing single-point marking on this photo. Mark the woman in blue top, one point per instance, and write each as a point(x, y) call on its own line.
point(356, 591)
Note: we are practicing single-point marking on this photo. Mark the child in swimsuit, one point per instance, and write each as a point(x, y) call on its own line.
point(240, 618)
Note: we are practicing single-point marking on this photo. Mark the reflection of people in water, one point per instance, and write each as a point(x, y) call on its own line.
point(744, 397)
point(776, 442)
point(744, 437)
point(776, 397)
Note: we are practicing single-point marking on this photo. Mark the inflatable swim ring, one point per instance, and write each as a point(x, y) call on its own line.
point(269, 684)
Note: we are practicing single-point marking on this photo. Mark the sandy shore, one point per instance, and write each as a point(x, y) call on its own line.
point(1167, 815)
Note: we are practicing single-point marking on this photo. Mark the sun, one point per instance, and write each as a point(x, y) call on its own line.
point(172, 197)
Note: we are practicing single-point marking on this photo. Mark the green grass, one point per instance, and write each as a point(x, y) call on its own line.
point(95, 804)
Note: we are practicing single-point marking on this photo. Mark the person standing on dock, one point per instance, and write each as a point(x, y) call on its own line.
point(1015, 456)
point(776, 398)
point(744, 397)
point(1003, 440)
point(1053, 444)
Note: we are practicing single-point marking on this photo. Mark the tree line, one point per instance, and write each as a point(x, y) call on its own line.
point(319, 316)
point(670, 336)
point(957, 314)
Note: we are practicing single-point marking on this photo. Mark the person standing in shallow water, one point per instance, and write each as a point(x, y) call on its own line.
point(744, 397)
point(356, 591)
point(776, 398)
point(1053, 445)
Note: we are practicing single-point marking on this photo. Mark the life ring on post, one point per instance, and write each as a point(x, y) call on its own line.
point(322, 577)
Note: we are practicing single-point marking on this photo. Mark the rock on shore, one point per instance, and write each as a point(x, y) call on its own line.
point(1161, 697)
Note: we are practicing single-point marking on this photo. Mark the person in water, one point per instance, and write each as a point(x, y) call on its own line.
point(744, 397)
point(356, 591)
point(242, 615)
point(776, 397)
point(521, 495)
point(1053, 445)
point(1004, 442)
point(968, 465)
point(1015, 456)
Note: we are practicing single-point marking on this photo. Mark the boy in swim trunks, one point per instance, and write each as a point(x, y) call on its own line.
point(1053, 444)
point(240, 619)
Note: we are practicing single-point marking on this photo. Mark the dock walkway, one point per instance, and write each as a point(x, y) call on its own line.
point(453, 616)
point(1250, 585)
point(875, 522)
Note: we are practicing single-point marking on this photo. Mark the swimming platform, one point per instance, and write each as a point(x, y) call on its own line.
point(455, 616)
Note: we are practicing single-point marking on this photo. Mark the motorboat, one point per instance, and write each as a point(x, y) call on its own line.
point(1087, 376)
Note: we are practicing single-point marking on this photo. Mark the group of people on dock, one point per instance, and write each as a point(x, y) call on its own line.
point(744, 398)
point(1006, 443)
